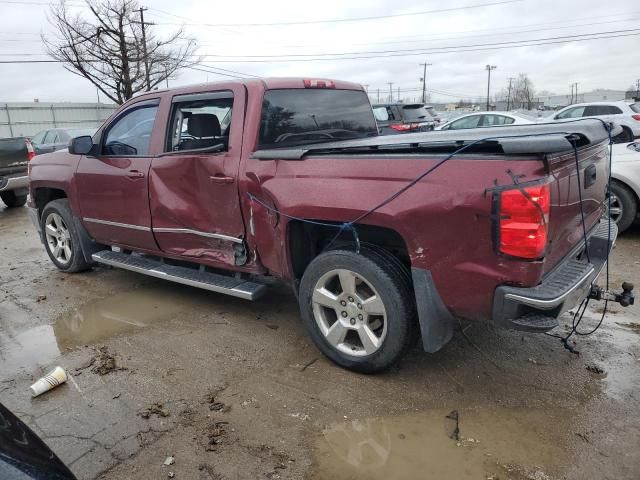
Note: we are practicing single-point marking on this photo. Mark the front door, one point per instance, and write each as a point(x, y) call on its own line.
point(112, 186)
point(193, 185)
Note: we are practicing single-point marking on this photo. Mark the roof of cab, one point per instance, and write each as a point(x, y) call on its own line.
point(269, 83)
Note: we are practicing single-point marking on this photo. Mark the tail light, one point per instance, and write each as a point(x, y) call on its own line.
point(30, 151)
point(309, 83)
point(404, 127)
point(636, 117)
point(523, 221)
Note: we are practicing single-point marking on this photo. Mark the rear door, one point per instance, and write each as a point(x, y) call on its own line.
point(112, 187)
point(193, 185)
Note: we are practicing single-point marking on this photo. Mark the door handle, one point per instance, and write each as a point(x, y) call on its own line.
point(221, 179)
point(135, 174)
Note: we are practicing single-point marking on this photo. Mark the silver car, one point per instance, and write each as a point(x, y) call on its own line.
point(623, 113)
point(486, 119)
point(625, 184)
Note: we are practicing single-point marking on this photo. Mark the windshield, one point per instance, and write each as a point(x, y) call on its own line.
point(301, 116)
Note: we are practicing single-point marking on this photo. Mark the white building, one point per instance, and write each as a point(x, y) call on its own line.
point(598, 95)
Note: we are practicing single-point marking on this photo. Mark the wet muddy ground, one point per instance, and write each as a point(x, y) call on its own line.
point(235, 390)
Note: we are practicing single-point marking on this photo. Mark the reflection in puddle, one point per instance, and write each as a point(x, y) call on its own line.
point(92, 322)
point(492, 442)
point(124, 312)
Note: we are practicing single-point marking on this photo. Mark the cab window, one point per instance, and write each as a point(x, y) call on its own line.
point(467, 122)
point(130, 135)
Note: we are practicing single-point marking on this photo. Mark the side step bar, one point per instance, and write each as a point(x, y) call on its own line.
point(214, 282)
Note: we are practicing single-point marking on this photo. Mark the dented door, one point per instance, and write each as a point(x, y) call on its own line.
point(193, 189)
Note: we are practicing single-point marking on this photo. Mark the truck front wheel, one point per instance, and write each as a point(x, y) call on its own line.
point(359, 308)
point(61, 239)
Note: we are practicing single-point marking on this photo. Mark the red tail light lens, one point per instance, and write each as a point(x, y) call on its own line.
point(636, 117)
point(30, 151)
point(404, 127)
point(524, 221)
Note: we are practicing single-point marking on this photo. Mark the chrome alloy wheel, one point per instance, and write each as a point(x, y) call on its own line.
point(616, 208)
point(58, 238)
point(349, 312)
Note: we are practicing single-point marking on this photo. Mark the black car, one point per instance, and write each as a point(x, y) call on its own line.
point(57, 138)
point(24, 456)
point(393, 118)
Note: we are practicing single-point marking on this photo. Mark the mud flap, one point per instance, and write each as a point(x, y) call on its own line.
point(436, 323)
point(87, 244)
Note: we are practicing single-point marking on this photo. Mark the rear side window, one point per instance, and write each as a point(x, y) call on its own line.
point(381, 114)
point(415, 113)
point(301, 116)
point(575, 112)
point(635, 107)
point(37, 139)
point(201, 122)
point(593, 110)
point(467, 122)
point(50, 137)
point(495, 120)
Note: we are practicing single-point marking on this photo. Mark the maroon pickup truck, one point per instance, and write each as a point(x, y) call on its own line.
point(219, 185)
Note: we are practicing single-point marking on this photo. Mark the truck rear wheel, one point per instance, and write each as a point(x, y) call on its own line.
point(623, 206)
point(359, 308)
point(61, 240)
point(12, 200)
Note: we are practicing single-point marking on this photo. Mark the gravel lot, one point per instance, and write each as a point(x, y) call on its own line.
point(235, 390)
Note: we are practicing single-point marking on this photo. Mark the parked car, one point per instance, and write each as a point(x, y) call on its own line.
point(57, 138)
point(625, 114)
point(625, 184)
point(23, 455)
point(485, 119)
point(270, 196)
point(15, 154)
point(394, 118)
point(437, 116)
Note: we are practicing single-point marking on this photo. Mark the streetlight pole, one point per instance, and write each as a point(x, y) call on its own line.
point(390, 91)
point(489, 68)
point(424, 81)
point(511, 79)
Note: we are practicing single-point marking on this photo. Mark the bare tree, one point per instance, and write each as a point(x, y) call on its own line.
point(108, 48)
point(523, 92)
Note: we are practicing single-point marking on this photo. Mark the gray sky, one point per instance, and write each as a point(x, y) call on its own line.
point(606, 63)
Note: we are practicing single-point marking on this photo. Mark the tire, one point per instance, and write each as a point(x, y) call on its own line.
point(625, 136)
point(12, 200)
point(389, 326)
point(624, 206)
point(69, 258)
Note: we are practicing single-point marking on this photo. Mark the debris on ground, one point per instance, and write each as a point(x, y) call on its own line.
point(272, 326)
point(214, 404)
point(593, 368)
point(301, 416)
point(51, 380)
point(455, 434)
point(154, 409)
point(171, 475)
point(104, 362)
point(281, 460)
point(308, 364)
point(213, 435)
point(532, 360)
point(41, 298)
point(169, 461)
point(253, 401)
point(635, 326)
point(84, 366)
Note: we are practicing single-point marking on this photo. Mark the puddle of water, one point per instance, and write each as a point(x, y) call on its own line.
point(419, 445)
point(124, 312)
point(92, 322)
point(27, 349)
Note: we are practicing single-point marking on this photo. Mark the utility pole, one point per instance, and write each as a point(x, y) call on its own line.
point(424, 81)
point(571, 102)
point(511, 79)
point(399, 99)
point(638, 90)
point(390, 91)
point(378, 96)
point(577, 99)
point(489, 68)
point(144, 49)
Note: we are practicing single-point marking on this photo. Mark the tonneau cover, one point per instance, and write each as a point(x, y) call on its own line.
point(538, 138)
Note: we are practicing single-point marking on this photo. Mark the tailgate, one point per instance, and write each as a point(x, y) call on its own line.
point(13, 155)
point(565, 219)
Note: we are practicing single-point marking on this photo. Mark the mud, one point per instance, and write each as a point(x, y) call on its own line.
point(243, 394)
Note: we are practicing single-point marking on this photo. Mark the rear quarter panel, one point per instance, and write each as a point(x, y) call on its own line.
point(445, 220)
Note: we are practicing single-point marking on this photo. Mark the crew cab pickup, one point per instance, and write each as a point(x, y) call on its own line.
point(15, 154)
point(221, 185)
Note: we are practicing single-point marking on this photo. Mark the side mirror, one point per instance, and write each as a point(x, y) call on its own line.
point(81, 145)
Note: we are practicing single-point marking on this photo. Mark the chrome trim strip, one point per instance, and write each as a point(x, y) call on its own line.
point(549, 304)
point(117, 224)
point(219, 236)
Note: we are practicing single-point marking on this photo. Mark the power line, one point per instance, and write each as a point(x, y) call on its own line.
point(352, 19)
